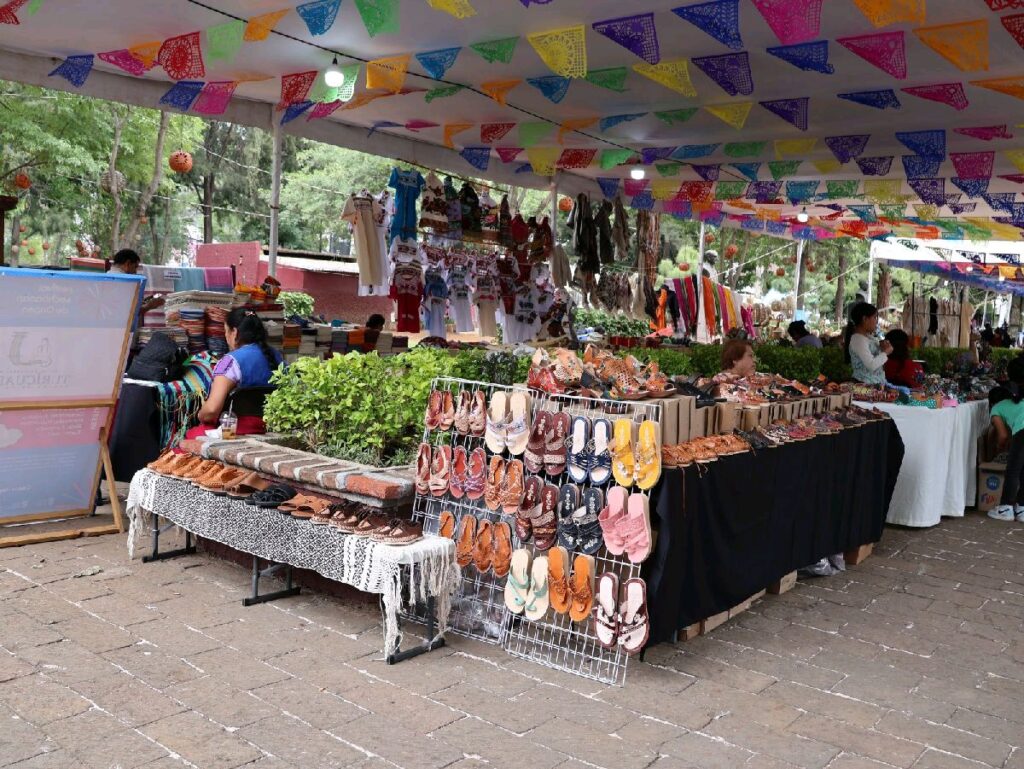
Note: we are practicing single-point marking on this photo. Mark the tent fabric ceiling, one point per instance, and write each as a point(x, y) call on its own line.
point(760, 186)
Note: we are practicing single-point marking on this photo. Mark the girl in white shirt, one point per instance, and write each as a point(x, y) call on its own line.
point(865, 354)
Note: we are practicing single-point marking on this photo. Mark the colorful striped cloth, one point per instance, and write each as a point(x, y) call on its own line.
point(219, 279)
point(181, 400)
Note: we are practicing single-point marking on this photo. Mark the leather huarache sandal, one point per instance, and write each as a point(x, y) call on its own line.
point(483, 547)
point(558, 579)
point(432, 417)
point(478, 415)
point(447, 411)
point(218, 485)
point(371, 523)
point(529, 508)
point(606, 616)
point(634, 629)
point(581, 588)
point(246, 486)
point(545, 525)
point(446, 524)
point(495, 480)
point(347, 523)
point(476, 478)
point(310, 507)
point(461, 422)
point(459, 474)
point(159, 464)
point(465, 540)
point(502, 557)
point(512, 487)
point(398, 532)
point(423, 470)
point(440, 470)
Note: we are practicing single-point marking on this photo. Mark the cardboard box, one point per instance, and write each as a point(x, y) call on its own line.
point(991, 476)
point(689, 632)
point(669, 420)
point(783, 585)
point(687, 405)
point(750, 417)
point(728, 417)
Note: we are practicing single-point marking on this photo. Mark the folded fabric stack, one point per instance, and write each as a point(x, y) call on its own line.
point(193, 321)
point(323, 340)
point(88, 264)
point(339, 341)
point(216, 342)
point(292, 342)
point(221, 279)
point(307, 342)
point(176, 333)
point(384, 343)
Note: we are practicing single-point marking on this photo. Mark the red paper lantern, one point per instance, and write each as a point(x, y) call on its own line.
point(565, 204)
point(180, 162)
point(731, 250)
point(46, 245)
point(24, 242)
point(793, 260)
point(780, 272)
point(709, 239)
point(684, 266)
point(22, 228)
point(22, 182)
point(32, 252)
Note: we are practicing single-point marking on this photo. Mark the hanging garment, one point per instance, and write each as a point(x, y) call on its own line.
point(519, 231)
point(541, 241)
point(459, 290)
point(435, 302)
point(561, 272)
point(434, 208)
point(748, 321)
point(362, 212)
point(933, 316)
point(407, 186)
point(584, 235)
point(603, 223)
point(661, 302)
point(504, 222)
point(472, 215)
point(407, 291)
point(485, 310)
point(620, 231)
point(454, 209)
point(489, 211)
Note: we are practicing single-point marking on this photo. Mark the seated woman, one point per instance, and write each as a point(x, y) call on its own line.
point(900, 369)
point(249, 364)
point(738, 358)
point(864, 353)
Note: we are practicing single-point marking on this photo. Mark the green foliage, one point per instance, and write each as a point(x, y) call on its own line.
point(670, 362)
point(706, 359)
point(938, 360)
point(611, 324)
point(800, 363)
point(296, 303)
point(834, 365)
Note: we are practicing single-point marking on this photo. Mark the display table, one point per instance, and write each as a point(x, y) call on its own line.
point(728, 529)
point(426, 568)
point(939, 471)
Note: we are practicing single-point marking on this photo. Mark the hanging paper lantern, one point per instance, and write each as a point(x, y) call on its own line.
point(731, 250)
point(709, 238)
point(32, 252)
point(24, 242)
point(22, 228)
point(565, 204)
point(684, 266)
point(810, 267)
point(830, 277)
point(15, 249)
point(780, 272)
point(181, 162)
point(46, 245)
point(22, 182)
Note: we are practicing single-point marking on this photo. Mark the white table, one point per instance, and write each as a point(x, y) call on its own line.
point(938, 477)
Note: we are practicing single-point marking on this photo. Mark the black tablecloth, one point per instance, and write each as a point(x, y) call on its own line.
point(135, 437)
point(730, 528)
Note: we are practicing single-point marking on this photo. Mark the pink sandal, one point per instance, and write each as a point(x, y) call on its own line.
point(635, 529)
point(613, 518)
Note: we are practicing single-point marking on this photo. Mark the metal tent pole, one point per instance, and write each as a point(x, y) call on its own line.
point(275, 201)
point(871, 277)
point(796, 275)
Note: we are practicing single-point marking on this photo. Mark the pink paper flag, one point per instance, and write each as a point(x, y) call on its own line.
point(792, 21)
point(947, 93)
point(419, 125)
point(1015, 178)
point(973, 165)
point(127, 61)
point(508, 154)
point(886, 50)
point(986, 133)
point(215, 97)
point(182, 57)
point(323, 109)
point(634, 187)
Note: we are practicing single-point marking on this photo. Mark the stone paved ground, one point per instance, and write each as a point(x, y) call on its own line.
point(913, 659)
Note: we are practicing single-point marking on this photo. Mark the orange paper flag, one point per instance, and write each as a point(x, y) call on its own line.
point(451, 129)
point(882, 13)
point(387, 73)
point(260, 27)
point(147, 52)
point(574, 124)
point(1011, 86)
point(499, 89)
point(964, 44)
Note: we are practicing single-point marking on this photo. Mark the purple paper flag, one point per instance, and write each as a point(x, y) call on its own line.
point(791, 110)
point(708, 173)
point(749, 170)
point(643, 201)
point(437, 63)
point(921, 166)
point(1000, 201)
point(929, 190)
point(718, 18)
point(953, 197)
point(810, 57)
point(963, 208)
point(752, 223)
point(884, 99)
point(653, 154)
point(973, 188)
point(877, 166)
point(775, 228)
point(609, 186)
point(478, 157)
point(730, 70)
point(182, 94)
point(932, 143)
point(554, 87)
point(973, 165)
point(846, 148)
point(76, 69)
point(764, 192)
point(634, 33)
point(680, 208)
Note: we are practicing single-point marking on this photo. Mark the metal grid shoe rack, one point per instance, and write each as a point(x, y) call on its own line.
point(478, 607)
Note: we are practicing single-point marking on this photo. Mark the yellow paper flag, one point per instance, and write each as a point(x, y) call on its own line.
point(451, 129)
point(460, 9)
point(882, 13)
point(563, 50)
point(1002, 231)
point(964, 44)
point(671, 74)
point(785, 147)
point(926, 211)
point(827, 165)
point(260, 27)
point(884, 191)
point(147, 52)
point(664, 189)
point(499, 89)
point(574, 124)
point(543, 159)
point(1011, 86)
point(733, 114)
point(387, 73)
point(1016, 157)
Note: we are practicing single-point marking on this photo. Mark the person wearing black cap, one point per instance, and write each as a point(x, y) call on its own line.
point(801, 336)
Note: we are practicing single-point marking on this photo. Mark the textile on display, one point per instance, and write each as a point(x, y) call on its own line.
point(368, 566)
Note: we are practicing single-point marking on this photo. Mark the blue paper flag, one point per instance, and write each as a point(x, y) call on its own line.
point(775, 228)
point(688, 151)
point(182, 94)
point(437, 63)
point(296, 110)
point(804, 233)
point(884, 99)
point(525, 168)
point(708, 173)
point(929, 190)
point(749, 170)
point(921, 166)
point(609, 186)
point(379, 124)
point(478, 157)
point(1000, 201)
point(651, 155)
point(319, 15)
point(801, 192)
point(752, 223)
point(730, 70)
point(973, 188)
point(846, 148)
point(76, 69)
point(614, 120)
point(865, 213)
point(930, 143)
point(877, 166)
point(718, 18)
point(643, 201)
point(810, 57)
point(715, 219)
point(554, 87)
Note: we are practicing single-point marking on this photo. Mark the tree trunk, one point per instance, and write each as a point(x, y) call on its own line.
point(208, 188)
point(15, 239)
point(154, 183)
point(115, 192)
point(884, 286)
point(803, 256)
point(840, 301)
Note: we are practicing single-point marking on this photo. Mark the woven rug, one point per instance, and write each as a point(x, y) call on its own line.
point(429, 564)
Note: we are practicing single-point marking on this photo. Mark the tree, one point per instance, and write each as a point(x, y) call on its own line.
point(839, 304)
point(217, 141)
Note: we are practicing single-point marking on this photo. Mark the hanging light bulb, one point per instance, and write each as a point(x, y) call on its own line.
point(333, 76)
point(802, 217)
point(1002, 278)
point(970, 268)
point(637, 173)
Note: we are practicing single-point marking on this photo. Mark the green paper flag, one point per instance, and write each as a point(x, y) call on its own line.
point(730, 190)
point(531, 133)
point(837, 190)
point(442, 93)
point(224, 41)
point(613, 79)
point(497, 50)
point(321, 93)
point(783, 168)
point(744, 149)
point(676, 115)
point(33, 7)
point(348, 87)
point(668, 169)
point(612, 158)
point(379, 16)
point(894, 211)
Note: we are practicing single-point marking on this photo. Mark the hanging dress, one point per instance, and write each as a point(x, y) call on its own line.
point(407, 185)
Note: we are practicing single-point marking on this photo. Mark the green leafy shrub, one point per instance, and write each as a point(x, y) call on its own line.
point(834, 365)
point(296, 303)
point(938, 360)
point(800, 363)
point(706, 359)
point(611, 324)
point(671, 362)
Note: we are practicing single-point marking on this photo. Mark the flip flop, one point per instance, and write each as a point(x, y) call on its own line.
point(634, 628)
point(540, 600)
point(517, 586)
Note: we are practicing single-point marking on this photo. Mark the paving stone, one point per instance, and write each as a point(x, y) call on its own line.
point(603, 716)
point(239, 670)
point(200, 742)
point(946, 738)
point(124, 749)
point(414, 713)
point(20, 740)
point(128, 699)
point(174, 637)
point(12, 667)
point(94, 634)
point(21, 631)
point(502, 711)
point(706, 752)
point(935, 759)
point(864, 742)
point(392, 740)
point(209, 697)
point(730, 675)
point(990, 726)
point(825, 703)
point(498, 747)
point(67, 662)
point(120, 612)
point(589, 744)
point(309, 703)
point(289, 634)
point(152, 666)
point(845, 761)
point(39, 700)
point(790, 747)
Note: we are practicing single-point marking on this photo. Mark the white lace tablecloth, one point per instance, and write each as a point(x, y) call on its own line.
point(939, 473)
point(267, 534)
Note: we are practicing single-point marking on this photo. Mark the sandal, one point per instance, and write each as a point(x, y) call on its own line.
point(222, 480)
point(545, 525)
point(600, 459)
point(512, 487)
point(478, 415)
point(459, 474)
point(347, 523)
point(483, 546)
point(555, 441)
point(648, 454)
point(446, 525)
point(517, 585)
point(568, 503)
point(502, 552)
point(606, 616)
point(495, 482)
point(496, 431)
point(246, 486)
point(539, 601)
point(326, 515)
point(636, 529)
point(612, 519)
point(272, 497)
point(623, 461)
point(461, 421)
point(423, 470)
point(558, 579)
point(529, 508)
point(518, 431)
point(399, 532)
point(440, 470)
point(447, 418)
point(369, 524)
point(311, 506)
point(465, 541)
point(476, 479)
point(579, 450)
point(587, 526)
point(634, 628)
point(432, 417)
point(581, 588)
point(533, 458)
